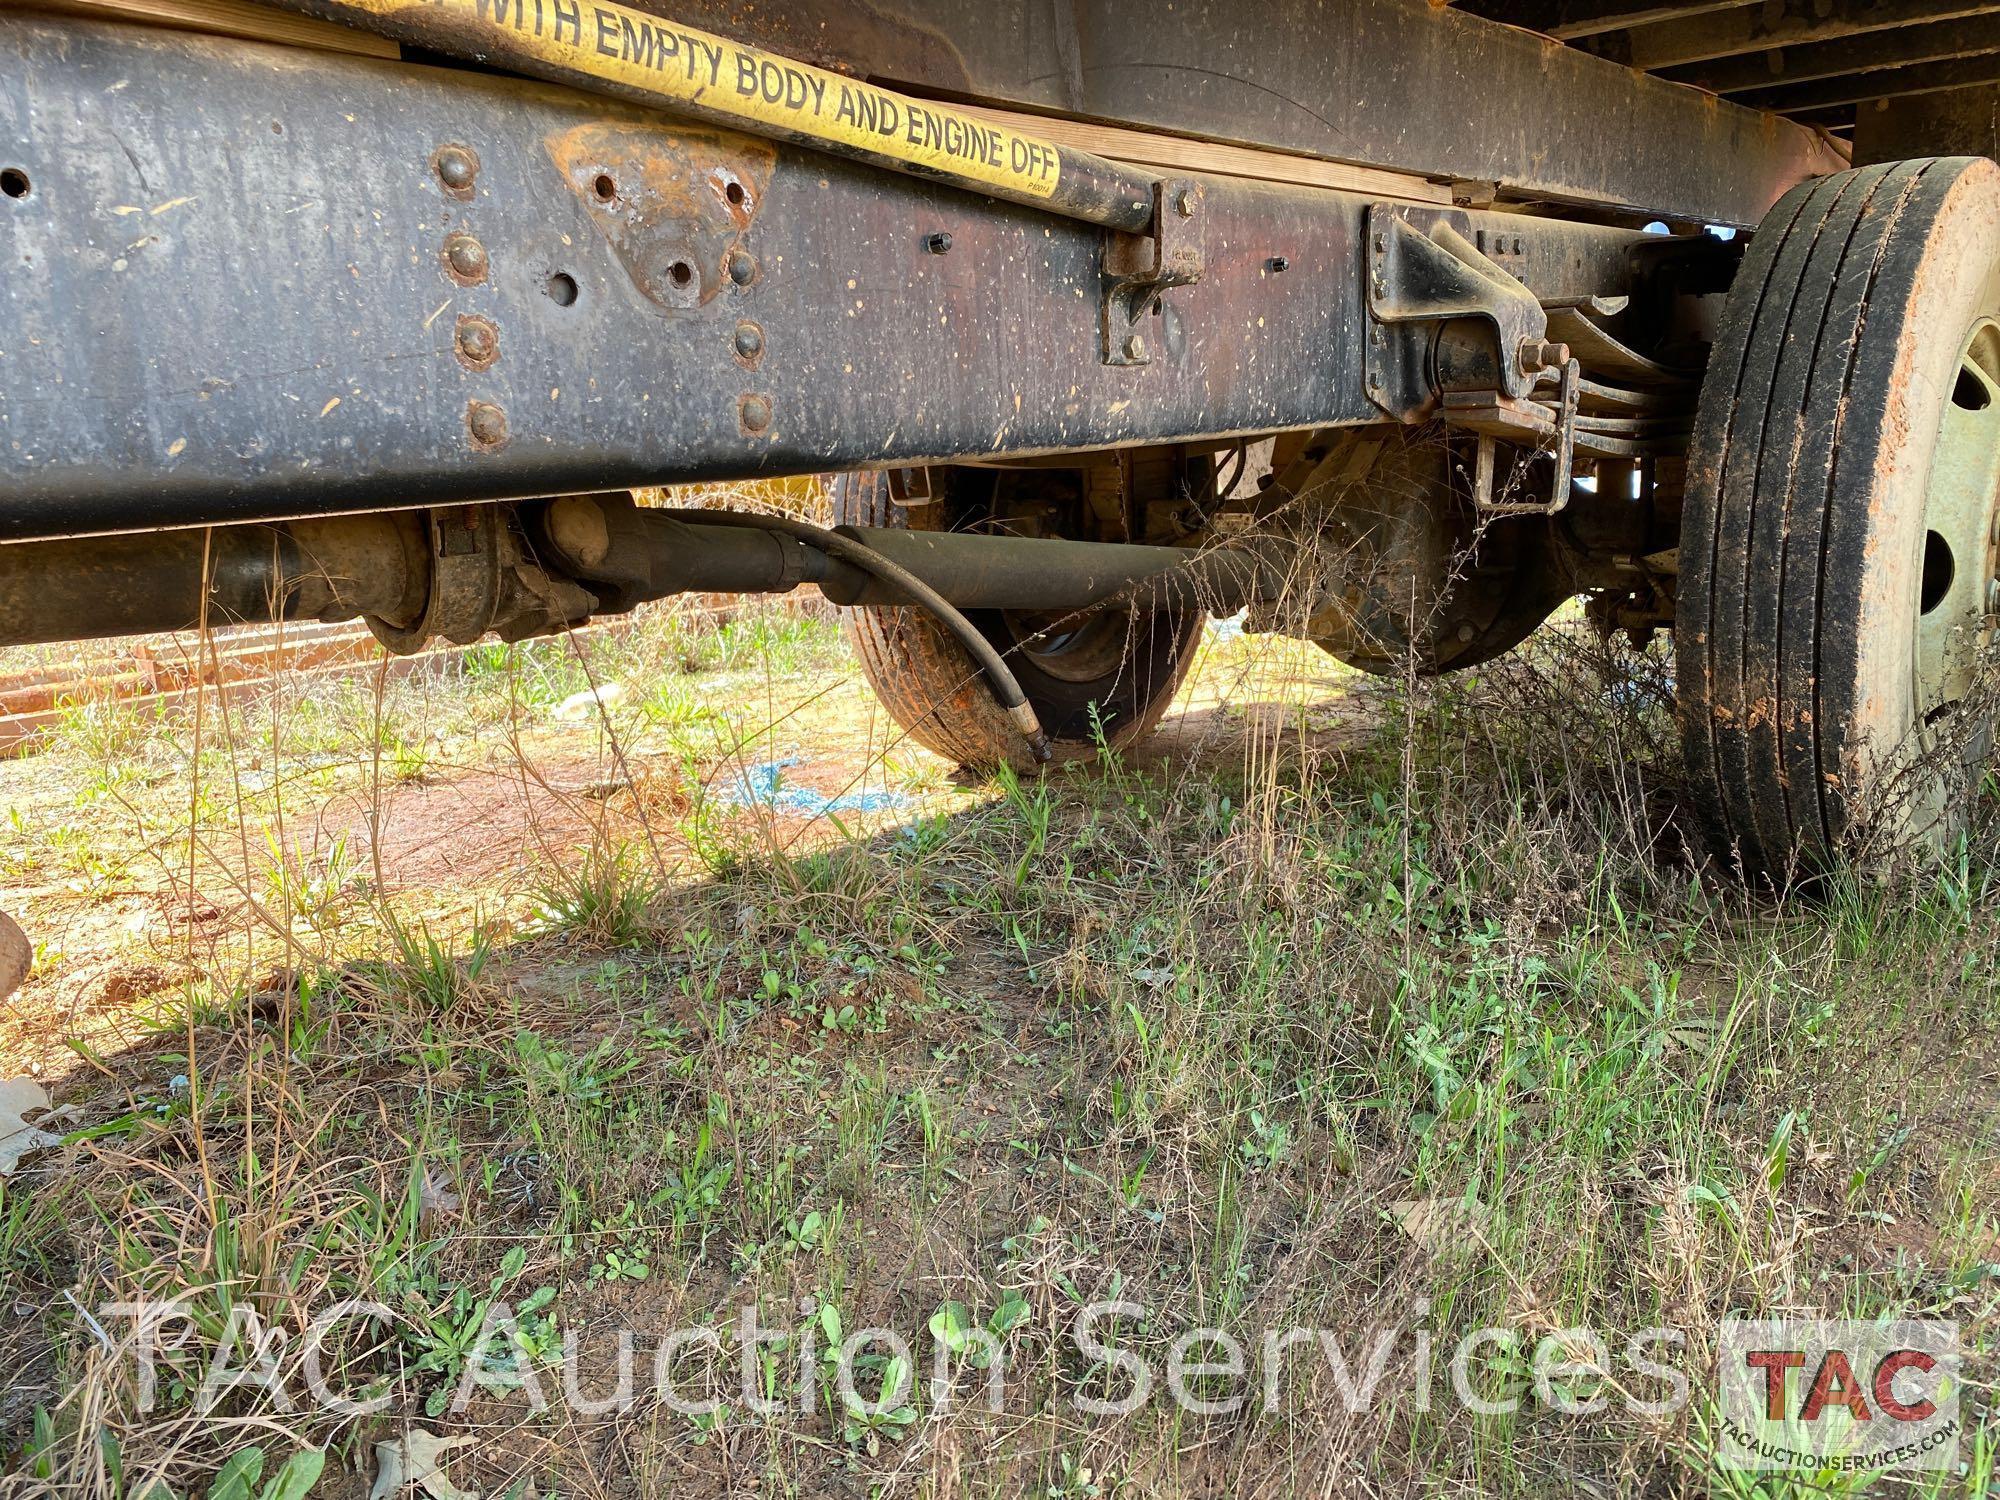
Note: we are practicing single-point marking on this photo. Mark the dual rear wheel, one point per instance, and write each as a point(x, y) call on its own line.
point(1840, 549)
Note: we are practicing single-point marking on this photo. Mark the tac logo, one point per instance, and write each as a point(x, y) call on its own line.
point(1839, 1397)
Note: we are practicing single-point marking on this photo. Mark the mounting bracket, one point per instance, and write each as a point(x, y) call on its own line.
point(1139, 267)
point(1423, 272)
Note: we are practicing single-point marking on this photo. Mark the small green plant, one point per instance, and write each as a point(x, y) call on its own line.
point(1035, 808)
point(623, 1253)
point(313, 890)
point(673, 706)
point(604, 897)
point(1267, 1143)
point(1891, 1143)
point(445, 1326)
point(238, 1476)
point(865, 1424)
point(1076, 1481)
point(804, 1234)
point(429, 974)
point(626, 1264)
point(954, 1327)
point(707, 1424)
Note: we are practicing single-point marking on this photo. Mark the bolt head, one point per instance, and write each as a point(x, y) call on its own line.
point(755, 413)
point(749, 340)
point(741, 266)
point(466, 257)
point(1135, 347)
point(1184, 203)
point(1542, 354)
point(938, 243)
point(456, 168)
point(487, 424)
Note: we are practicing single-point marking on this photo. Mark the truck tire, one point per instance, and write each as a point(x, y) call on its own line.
point(17, 956)
point(1841, 539)
point(1114, 675)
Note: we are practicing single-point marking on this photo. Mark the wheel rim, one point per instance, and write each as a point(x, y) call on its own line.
point(1071, 649)
point(1959, 591)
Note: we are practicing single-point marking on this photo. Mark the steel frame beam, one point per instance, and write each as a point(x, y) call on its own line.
point(1400, 84)
point(246, 284)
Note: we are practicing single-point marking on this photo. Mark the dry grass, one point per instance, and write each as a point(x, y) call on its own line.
point(1354, 1004)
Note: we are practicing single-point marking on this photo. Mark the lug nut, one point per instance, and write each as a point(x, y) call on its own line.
point(466, 257)
point(487, 424)
point(456, 168)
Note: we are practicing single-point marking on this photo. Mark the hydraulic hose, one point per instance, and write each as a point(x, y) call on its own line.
point(1006, 687)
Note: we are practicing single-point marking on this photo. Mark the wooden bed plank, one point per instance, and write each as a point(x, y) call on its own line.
point(1175, 153)
point(231, 18)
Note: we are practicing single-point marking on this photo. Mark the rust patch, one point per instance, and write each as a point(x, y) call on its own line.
point(739, 196)
point(673, 205)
